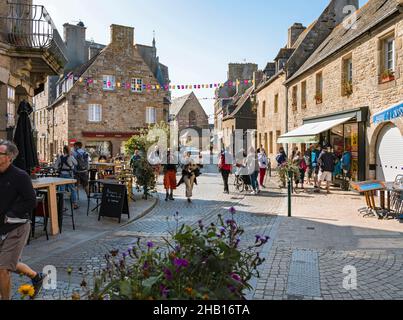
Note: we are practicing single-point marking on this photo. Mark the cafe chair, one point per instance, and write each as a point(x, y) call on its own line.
point(94, 193)
point(40, 212)
point(67, 196)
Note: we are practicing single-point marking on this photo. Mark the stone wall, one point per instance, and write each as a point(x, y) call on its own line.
point(272, 122)
point(367, 89)
point(123, 111)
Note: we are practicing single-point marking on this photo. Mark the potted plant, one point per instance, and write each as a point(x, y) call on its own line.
point(348, 88)
point(203, 262)
point(388, 75)
point(318, 98)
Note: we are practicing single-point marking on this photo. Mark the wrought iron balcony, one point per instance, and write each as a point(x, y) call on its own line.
point(30, 27)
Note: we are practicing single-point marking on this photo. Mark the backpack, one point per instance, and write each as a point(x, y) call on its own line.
point(63, 163)
point(303, 165)
point(82, 161)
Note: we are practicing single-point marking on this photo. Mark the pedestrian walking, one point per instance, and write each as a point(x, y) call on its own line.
point(281, 159)
point(252, 164)
point(65, 165)
point(299, 161)
point(263, 165)
point(190, 173)
point(326, 162)
point(225, 168)
point(18, 200)
point(316, 151)
point(308, 162)
point(170, 170)
point(83, 165)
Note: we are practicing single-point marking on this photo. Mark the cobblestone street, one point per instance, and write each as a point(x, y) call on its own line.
point(306, 256)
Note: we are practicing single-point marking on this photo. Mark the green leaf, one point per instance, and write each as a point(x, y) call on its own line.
point(150, 282)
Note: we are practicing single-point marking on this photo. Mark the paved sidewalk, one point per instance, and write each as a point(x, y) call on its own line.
point(325, 241)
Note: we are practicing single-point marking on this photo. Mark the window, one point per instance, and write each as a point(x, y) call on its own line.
point(264, 109)
point(10, 107)
point(303, 94)
point(192, 119)
point(390, 54)
point(271, 143)
point(137, 85)
point(278, 135)
point(94, 113)
point(294, 97)
point(319, 88)
point(109, 83)
point(266, 142)
point(151, 115)
point(347, 77)
point(276, 103)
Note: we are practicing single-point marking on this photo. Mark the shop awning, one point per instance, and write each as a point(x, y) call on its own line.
point(309, 133)
point(394, 112)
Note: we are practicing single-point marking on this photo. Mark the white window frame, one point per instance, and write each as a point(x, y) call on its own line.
point(109, 79)
point(151, 115)
point(389, 49)
point(10, 107)
point(94, 113)
point(137, 85)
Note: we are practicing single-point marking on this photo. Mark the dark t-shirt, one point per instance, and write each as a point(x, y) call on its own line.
point(327, 161)
point(17, 197)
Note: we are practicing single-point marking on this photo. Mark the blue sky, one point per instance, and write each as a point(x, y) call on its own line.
point(195, 39)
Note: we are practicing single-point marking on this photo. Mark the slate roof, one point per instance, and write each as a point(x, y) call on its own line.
point(368, 16)
point(178, 103)
point(240, 102)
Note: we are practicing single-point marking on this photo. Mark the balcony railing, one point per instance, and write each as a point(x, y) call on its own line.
point(31, 27)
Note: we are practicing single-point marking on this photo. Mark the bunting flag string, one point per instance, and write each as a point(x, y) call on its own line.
point(139, 87)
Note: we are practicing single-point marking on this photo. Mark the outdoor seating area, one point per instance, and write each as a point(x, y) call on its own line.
point(54, 201)
point(384, 200)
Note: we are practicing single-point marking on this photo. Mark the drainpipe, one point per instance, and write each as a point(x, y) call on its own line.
point(286, 114)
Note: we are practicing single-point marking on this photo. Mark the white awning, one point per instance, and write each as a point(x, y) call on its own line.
point(309, 133)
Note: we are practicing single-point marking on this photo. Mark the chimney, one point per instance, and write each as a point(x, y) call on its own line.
point(258, 77)
point(74, 38)
point(293, 33)
point(122, 37)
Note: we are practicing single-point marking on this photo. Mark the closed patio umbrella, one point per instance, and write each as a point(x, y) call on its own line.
point(23, 138)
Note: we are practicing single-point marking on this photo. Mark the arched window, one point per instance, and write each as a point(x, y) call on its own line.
point(192, 119)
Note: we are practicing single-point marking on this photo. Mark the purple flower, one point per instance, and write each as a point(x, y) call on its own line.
point(232, 210)
point(168, 274)
point(177, 248)
point(258, 238)
point(146, 265)
point(236, 277)
point(222, 230)
point(232, 288)
point(164, 291)
point(125, 254)
point(181, 263)
point(150, 245)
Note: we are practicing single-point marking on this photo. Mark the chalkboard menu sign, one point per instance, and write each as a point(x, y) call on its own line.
point(114, 202)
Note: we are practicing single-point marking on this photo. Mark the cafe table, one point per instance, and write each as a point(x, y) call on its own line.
point(390, 187)
point(51, 184)
point(369, 188)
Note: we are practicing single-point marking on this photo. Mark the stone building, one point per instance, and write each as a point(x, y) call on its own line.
point(105, 96)
point(233, 89)
point(344, 92)
point(108, 99)
point(239, 115)
point(271, 96)
point(189, 118)
point(27, 57)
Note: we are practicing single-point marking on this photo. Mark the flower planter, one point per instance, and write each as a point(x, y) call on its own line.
point(387, 79)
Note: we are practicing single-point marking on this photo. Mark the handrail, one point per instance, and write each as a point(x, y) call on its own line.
point(31, 27)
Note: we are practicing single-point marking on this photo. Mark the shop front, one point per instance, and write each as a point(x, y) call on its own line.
point(344, 131)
